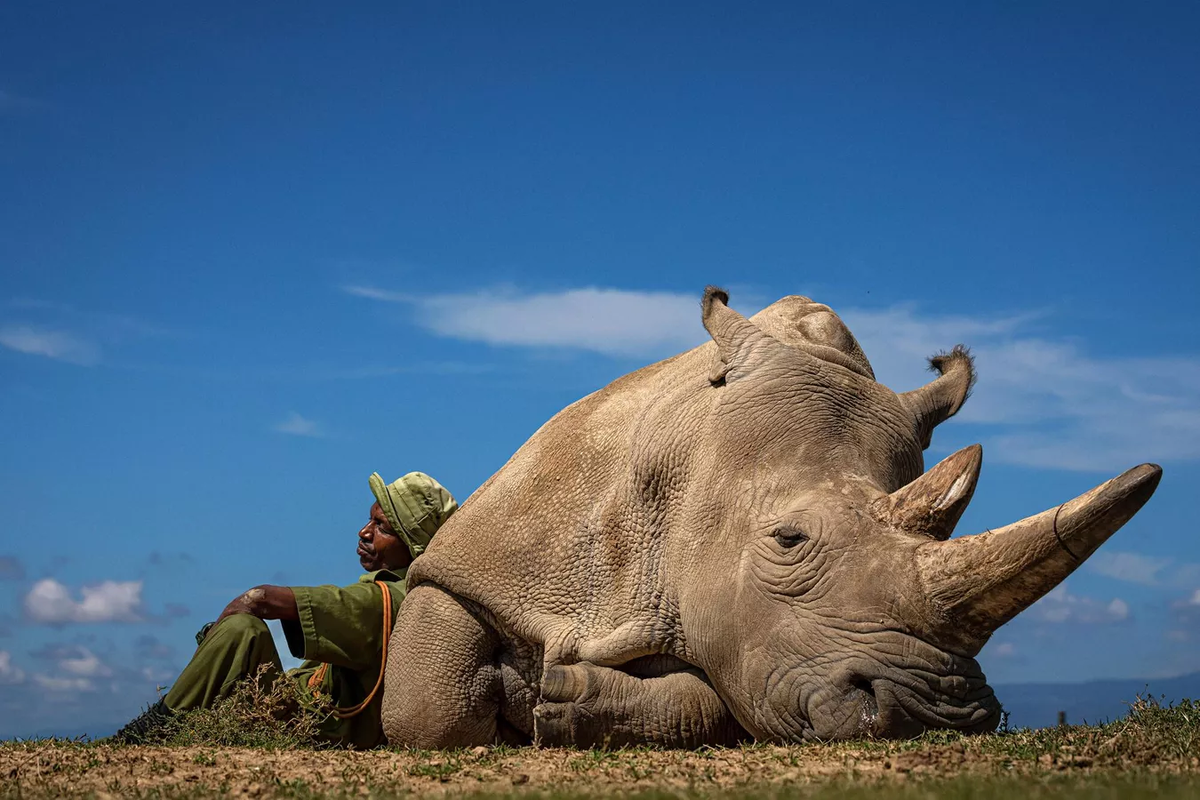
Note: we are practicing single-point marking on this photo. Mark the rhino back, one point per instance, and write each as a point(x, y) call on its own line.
point(567, 538)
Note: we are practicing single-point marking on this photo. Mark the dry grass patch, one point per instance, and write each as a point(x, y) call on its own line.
point(258, 713)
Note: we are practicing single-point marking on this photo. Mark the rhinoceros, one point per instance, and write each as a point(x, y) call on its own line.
point(737, 542)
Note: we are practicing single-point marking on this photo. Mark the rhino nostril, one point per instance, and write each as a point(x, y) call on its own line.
point(869, 708)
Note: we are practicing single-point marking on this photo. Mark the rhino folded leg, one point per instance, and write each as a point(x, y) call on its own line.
point(584, 705)
point(442, 685)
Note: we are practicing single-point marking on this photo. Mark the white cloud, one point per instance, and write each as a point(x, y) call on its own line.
point(56, 344)
point(1004, 650)
point(296, 425)
point(157, 675)
point(1046, 401)
point(1128, 567)
point(9, 674)
point(1060, 606)
point(49, 602)
point(56, 684)
point(614, 322)
point(1145, 570)
point(1185, 615)
point(372, 293)
point(85, 664)
point(1050, 403)
point(1187, 574)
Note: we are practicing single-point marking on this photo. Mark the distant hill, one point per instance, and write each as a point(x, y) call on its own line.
point(1036, 705)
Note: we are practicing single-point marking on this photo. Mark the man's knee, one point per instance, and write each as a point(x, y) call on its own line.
point(236, 648)
point(243, 624)
point(240, 626)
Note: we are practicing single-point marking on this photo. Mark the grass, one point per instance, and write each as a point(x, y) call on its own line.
point(247, 746)
point(440, 766)
point(1094, 787)
point(1091, 788)
point(1152, 733)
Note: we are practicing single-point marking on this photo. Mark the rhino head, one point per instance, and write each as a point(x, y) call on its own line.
point(834, 603)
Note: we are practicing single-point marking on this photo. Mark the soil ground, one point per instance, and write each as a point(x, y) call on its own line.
point(58, 769)
point(1154, 752)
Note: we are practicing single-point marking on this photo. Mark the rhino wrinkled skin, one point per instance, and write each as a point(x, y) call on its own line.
point(737, 542)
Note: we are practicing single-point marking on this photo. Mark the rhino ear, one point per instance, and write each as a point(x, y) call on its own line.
point(937, 401)
point(932, 504)
point(735, 335)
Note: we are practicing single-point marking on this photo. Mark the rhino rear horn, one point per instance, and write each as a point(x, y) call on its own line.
point(736, 336)
point(940, 399)
point(978, 583)
point(933, 503)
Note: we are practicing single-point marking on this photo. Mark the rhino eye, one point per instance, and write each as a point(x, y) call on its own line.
point(790, 537)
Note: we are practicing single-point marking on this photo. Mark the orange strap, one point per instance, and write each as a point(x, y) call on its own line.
point(315, 680)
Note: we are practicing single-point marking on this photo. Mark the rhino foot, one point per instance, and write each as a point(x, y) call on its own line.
point(566, 715)
point(583, 705)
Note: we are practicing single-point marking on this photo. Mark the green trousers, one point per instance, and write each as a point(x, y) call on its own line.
point(233, 651)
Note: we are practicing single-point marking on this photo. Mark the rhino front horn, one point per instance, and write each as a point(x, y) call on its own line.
point(978, 583)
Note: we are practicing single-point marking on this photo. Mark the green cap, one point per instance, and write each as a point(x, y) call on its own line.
point(416, 506)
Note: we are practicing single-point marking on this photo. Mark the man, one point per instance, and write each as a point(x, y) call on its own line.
point(340, 632)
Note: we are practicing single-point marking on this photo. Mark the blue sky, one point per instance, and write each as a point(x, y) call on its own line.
point(250, 253)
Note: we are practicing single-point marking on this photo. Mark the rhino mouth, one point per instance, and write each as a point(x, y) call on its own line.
point(872, 700)
point(893, 710)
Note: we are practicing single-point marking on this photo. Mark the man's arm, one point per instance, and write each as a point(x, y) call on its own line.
point(264, 602)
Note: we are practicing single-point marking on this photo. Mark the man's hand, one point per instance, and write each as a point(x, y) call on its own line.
point(264, 602)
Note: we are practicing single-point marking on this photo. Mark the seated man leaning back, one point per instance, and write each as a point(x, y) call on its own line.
point(340, 632)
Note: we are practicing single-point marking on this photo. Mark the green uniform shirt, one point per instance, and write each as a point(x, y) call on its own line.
point(343, 627)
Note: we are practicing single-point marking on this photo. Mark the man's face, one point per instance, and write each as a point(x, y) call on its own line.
point(378, 545)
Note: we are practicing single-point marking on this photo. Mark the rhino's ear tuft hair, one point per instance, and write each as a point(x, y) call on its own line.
point(958, 357)
point(734, 334)
point(937, 401)
point(712, 293)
